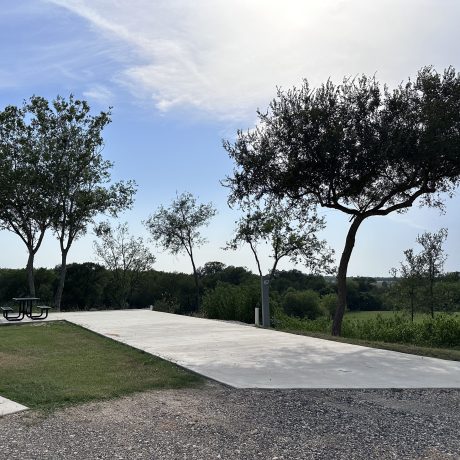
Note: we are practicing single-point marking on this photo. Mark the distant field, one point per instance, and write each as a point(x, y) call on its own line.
point(363, 315)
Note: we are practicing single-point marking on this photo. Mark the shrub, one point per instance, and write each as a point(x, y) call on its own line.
point(230, 302)
point(329, 304)
point(302, 304)
point(166, 305)
point(283, 321)
point(441, 331)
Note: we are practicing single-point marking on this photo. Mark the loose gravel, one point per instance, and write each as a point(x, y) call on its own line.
point(216, 422)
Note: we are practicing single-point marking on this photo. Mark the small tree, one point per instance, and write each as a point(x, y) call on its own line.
point(176, 228)
point(125, 256)
point(411, 272)
point(433, 258)
point(355, 147)
point(287, 238)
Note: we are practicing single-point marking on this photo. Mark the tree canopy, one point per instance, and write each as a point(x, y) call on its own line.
point(295, 239)
point(357, 147)
point(53, 174)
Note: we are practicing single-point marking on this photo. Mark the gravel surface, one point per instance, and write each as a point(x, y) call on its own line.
point(216, 422)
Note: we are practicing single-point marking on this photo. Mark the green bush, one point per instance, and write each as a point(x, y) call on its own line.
point(302, 304)
point(283, 321)
point(329, 304)
point(441, 331)
point(230, 302)
point(166, 305)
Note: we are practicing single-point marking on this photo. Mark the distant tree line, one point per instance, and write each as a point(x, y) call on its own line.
point(226, 292)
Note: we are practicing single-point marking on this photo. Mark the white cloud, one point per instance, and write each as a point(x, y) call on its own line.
point(227, 57)
point(100, 94)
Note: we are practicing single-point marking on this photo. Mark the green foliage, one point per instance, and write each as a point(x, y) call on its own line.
point(285, 279)
point(85, 284)
point(283, 321)
point(13, 283)
point(361, 295)
point(176, 228)
point(302, 304)
point(213, 272)
point(329, 304)
point(287, 236)
point(441, 331)
point(229, 302)
point(166, 305)
point(174, 288)
point(125, 257)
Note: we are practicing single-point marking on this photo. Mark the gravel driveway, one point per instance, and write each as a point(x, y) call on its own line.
point(218, 422)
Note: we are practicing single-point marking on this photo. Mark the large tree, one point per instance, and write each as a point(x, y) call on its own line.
point(26, 184)
point(81, 174)
point(355, 147)
point(177, 228)
point(53, 175)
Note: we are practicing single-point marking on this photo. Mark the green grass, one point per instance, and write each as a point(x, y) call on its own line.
point(48, 365)
point(364, 315)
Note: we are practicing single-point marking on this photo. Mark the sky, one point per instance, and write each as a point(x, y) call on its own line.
point(182, 76)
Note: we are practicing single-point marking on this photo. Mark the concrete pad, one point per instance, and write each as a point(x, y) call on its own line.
point(10, 407)
point(248, 357)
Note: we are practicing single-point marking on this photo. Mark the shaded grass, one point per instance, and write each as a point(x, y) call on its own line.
point(53, 364)
point(452, 354)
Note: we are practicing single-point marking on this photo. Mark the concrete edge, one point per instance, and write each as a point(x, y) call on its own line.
point(8, 407)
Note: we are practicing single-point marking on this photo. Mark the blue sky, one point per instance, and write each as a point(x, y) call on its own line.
point(183, 75)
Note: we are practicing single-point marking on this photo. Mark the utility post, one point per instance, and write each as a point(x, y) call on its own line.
point(265, 285)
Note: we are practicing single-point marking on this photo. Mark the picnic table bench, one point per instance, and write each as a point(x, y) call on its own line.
point(26, 306)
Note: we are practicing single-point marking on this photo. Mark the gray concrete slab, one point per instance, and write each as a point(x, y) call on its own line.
point(9, 407)
point(248, 357)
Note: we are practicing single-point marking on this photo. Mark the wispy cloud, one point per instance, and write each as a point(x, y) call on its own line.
point(100, 94)
point(226, 58)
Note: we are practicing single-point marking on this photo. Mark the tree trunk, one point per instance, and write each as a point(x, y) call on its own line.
point(197, 283)
point(342, 275)
point(30, 273)
point(60, 288)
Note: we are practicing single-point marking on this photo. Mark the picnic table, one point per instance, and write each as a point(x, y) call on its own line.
point(25, 309)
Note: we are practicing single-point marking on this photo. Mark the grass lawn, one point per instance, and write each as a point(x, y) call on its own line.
point(52, 364)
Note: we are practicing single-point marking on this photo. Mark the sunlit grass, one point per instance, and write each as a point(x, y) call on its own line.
point(45, 365)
